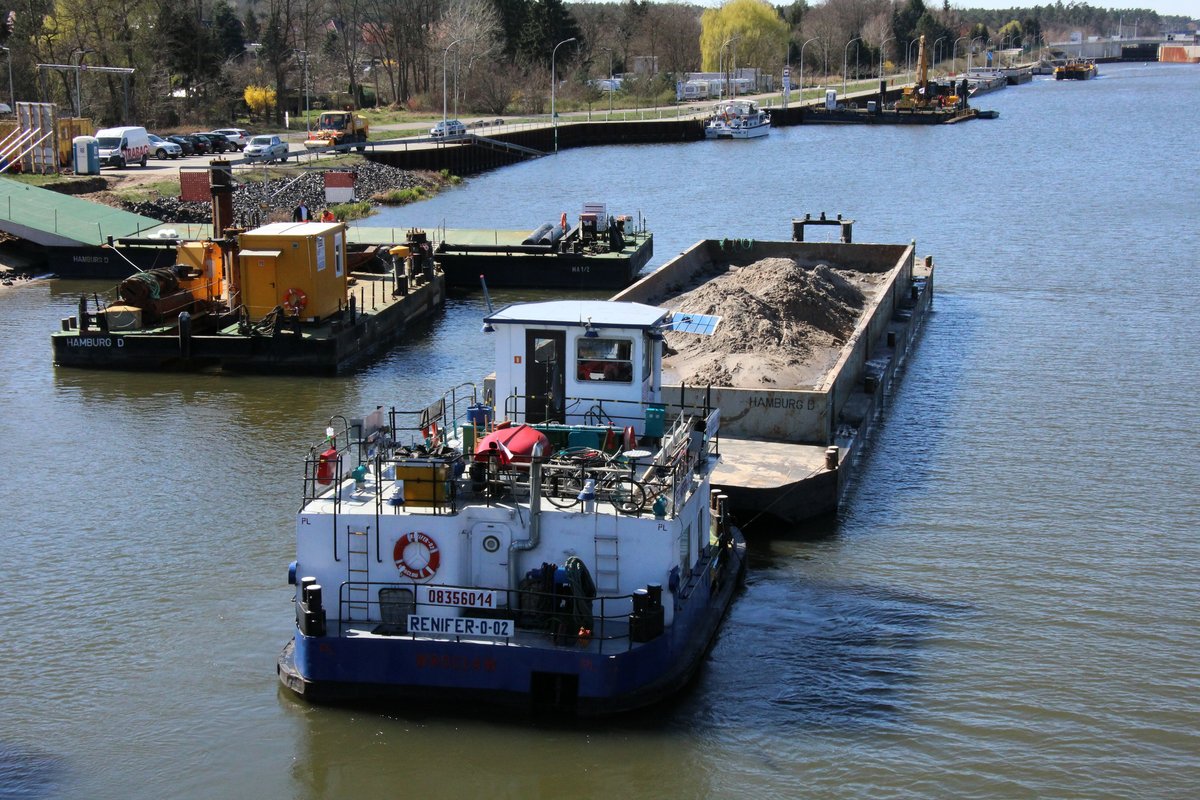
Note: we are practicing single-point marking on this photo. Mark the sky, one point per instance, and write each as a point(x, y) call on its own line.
point(1186, 8)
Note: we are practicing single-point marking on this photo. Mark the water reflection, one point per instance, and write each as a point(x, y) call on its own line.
point(29, 774)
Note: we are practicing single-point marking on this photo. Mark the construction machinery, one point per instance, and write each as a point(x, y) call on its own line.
point(339, 129)
point(926, 94)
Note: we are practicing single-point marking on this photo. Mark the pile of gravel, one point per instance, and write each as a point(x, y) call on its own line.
point(171, 209)
point(256, 202)
point(782, 324)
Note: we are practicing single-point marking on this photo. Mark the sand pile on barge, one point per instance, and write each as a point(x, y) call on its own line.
point(782, 324)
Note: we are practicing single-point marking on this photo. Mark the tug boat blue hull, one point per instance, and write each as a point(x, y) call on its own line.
point(586, 680)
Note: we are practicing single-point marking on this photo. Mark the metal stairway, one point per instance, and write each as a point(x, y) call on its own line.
point(503, 146)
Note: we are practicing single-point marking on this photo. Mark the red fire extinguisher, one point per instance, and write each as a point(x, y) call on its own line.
point(325, 464)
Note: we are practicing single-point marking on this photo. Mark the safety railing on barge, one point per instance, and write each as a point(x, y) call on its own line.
point(561, 617)
point(425, 472)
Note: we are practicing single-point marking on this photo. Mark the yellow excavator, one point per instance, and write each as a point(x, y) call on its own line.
point(925, 94)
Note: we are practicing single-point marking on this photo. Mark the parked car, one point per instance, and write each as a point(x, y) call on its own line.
point(185, 143)
point(216, 142)
point(448, 128)
point(163, 149)
point(266, 148)
point(202, 145)
point(238, 137)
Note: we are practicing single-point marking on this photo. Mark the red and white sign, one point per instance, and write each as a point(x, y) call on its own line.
point(339, 187)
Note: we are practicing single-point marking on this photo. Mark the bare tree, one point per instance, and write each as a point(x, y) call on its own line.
point(399, 30)
point(678, 29)
point(877, 29)
point(475, 25)
point(347, 18)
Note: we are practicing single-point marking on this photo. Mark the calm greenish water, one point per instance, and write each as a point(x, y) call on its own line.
point(1004, 609)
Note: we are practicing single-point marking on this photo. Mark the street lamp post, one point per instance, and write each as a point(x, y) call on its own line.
point(610, 81)
point(971, 52)
point(845, 56)
point(806, 44)
point(12, 96)
point(908, 56)
point(935, 53)
point(553, 87)
point(954, 54)
point(445, 53)
point(881, 47)
point(733, 67)
point(720, 62)
point(307, 123)
point(78, 86)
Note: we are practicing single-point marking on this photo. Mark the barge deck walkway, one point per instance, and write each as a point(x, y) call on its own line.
point(53, 219)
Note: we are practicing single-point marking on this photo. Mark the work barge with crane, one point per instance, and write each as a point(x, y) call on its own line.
point(924, 102)
point(285, 297)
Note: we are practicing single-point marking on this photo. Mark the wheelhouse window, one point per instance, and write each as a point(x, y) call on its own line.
point(601, 359)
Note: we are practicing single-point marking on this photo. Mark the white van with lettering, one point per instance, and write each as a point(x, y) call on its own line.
point(122, 146)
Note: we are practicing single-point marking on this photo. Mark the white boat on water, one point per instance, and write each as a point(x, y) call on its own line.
point(737, 119)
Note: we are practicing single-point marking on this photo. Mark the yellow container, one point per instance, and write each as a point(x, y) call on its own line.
point(425, 483)
point(67, 129)
point(300, 266)
point(205, 261)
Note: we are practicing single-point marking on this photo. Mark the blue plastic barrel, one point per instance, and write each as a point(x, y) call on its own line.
point(479, 415)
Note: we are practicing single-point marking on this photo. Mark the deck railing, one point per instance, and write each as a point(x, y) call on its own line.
point(560, 617)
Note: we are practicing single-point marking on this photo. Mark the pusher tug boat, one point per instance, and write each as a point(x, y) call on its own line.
point(569, 556)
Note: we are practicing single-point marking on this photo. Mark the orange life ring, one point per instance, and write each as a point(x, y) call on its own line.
point(417, 555)
point(294, 300)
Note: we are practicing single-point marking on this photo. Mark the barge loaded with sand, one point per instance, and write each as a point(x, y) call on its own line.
point(811, 337)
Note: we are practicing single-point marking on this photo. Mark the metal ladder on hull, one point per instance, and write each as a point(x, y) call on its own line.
point(608, 560)
point(358, 575)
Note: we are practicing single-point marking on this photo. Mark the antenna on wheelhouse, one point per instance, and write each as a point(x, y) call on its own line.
point(487, 326)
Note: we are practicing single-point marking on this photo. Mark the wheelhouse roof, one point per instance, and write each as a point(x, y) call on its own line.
point(579, 313)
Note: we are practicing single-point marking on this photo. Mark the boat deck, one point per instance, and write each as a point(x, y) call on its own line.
point(330, 346)
point(55, 219)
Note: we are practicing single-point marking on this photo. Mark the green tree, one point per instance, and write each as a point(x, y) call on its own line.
point(1011, 30)
point(228, 31)
point(187, 46)
point(548, 23)
point(513, 14)
point(905, 20)
point(751, 26)
point(276, 50)
point(251, 27)
point(1031, 31)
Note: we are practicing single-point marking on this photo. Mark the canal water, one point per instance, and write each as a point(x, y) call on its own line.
point(1005, 608)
